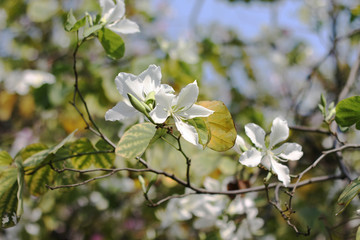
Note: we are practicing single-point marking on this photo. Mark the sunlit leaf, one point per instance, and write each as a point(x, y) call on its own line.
point(72, 24)
point(351, 191)
point(221, 125)
point(203, 132)
point(104, 160)
point(112, 43)
point(90, 30)
point(5, 159)
point(81, 146)
point(348, 112)
point(135, 140)
point(158, 134)
point(38, 180)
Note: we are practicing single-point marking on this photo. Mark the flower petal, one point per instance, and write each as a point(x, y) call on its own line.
point(187, 131)
point(251, 158)
point(239, 144)
point(279, 132)
point(106, 6)
point(256, 134)
point(151, 79)
point(163, 107)
point(129, 83)
point(195, 111)
point(166, 88)
point(187, 96)
point(113, 12)
point(289, 151)
point(124, 26)
point(282, 172)
point(120, 112)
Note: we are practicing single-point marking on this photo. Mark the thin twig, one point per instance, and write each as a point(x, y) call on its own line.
point(310, 129)
point(351, 79)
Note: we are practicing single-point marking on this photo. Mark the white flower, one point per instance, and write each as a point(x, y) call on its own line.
point(113, 17)
point(148, 82)
point(239, 145)
point(181, 108)
point(21, 81)
point(268, 156)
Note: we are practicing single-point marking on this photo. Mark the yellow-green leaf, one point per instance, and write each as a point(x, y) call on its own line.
point(202, 130)
point(38, 180)
point(5, 159)
point(8, 197)
point(81, 146)
point(135, 140)
point(221, 125)
point(351, 191)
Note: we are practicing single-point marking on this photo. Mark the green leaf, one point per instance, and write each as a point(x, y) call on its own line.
point(104, 160)
point(221, 125)
point(203, 132)
point(358, 234)
point(90, 30)
point(158, 134)
point(135, 140)
point(80, 146)
point(31, 149)
point(112, 43)
point(351, 191)
point(9, 197)
point(39, 157)
point(37, 181)
point(348, 112)
point(5, 159)
point(70, 21)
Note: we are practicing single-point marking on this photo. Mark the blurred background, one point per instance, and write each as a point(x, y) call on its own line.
point(262, 58)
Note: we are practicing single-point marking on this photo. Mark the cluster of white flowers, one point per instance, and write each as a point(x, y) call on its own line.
point(215, 211)
point(20, 82)
point(268, 155)
point(113, 17)
point(145, 95)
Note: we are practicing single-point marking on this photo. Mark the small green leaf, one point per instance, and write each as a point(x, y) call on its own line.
point(158, 134)
point(152, 181)
point(112, 43)
point(90, 30)
point(351, 191)
point(221, 125)
point(72, 24)
point(203, 132)
point(135, 140)
point(5, 159)
point(348, 112)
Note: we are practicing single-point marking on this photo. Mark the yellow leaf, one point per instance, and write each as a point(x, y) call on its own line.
point(221, 125)
point(7, 102)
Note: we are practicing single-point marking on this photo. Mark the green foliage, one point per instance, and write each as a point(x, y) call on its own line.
point(40, 157)
point(135, 140)
point(72, 24)
point(349, 193)
point(221, 125)
point(203, 132)
point(348, 112)
point(112, 43)
point(5, 159)
point(11, 187)
point(328, 111)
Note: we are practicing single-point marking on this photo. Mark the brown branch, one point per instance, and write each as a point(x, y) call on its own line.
point(351, 79)
point(309, 129)
point(77, 92)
